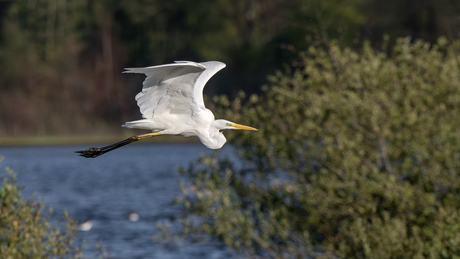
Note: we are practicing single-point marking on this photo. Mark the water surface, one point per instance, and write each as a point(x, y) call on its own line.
point(138, 177)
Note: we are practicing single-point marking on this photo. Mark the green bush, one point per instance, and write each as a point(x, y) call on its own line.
point(357, 156)
point(25, 230)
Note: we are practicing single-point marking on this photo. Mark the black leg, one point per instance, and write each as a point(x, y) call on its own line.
point(93, 152)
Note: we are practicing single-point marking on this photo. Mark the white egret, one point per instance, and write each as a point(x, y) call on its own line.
point(171, 103)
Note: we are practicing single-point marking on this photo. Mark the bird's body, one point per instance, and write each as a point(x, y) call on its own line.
point(171, 102)
point(200, 125)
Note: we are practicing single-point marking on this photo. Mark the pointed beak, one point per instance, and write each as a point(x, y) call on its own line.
point(239, 126)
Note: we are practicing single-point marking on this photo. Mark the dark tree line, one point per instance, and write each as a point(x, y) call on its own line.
point(61, 60)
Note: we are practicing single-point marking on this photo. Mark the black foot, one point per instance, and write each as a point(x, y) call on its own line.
point(91, 152)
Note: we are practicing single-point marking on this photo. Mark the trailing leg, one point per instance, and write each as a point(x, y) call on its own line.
point(93, 152)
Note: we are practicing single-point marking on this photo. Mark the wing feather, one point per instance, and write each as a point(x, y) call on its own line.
point(212, 67)
point(174, 88)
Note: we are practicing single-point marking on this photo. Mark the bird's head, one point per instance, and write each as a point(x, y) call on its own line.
point(225, 125)
point(216, 139)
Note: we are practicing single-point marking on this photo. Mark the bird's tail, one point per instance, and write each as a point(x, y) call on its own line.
point(141, 124)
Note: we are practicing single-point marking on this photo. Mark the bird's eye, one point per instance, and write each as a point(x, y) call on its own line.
point(228, 124)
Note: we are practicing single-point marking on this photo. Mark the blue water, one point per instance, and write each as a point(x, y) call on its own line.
point(138, 177)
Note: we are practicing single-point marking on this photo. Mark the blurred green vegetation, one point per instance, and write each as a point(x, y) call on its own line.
point(61, 60)
point(357, 157)
point(26, 231)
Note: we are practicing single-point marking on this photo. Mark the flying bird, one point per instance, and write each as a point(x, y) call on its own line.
point(171, 103)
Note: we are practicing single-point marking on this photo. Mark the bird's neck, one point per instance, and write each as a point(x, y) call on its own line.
point(214, 139)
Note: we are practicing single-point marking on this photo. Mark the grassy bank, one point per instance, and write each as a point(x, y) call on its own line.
point(82, 139)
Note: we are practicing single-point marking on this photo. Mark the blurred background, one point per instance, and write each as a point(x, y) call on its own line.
point(61, 61)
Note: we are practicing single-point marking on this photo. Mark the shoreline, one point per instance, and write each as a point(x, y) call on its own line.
point(84, 139)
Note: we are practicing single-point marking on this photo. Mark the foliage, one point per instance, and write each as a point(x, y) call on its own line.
point(422, 19)
point(61, 60)
point(26, 231)
point(357, 157)
point(48, 82)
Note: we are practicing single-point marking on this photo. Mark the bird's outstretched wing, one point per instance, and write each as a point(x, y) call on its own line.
point(174, 88)
point(212, 67)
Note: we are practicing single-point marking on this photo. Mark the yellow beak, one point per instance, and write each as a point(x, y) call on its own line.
point(239, 126)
